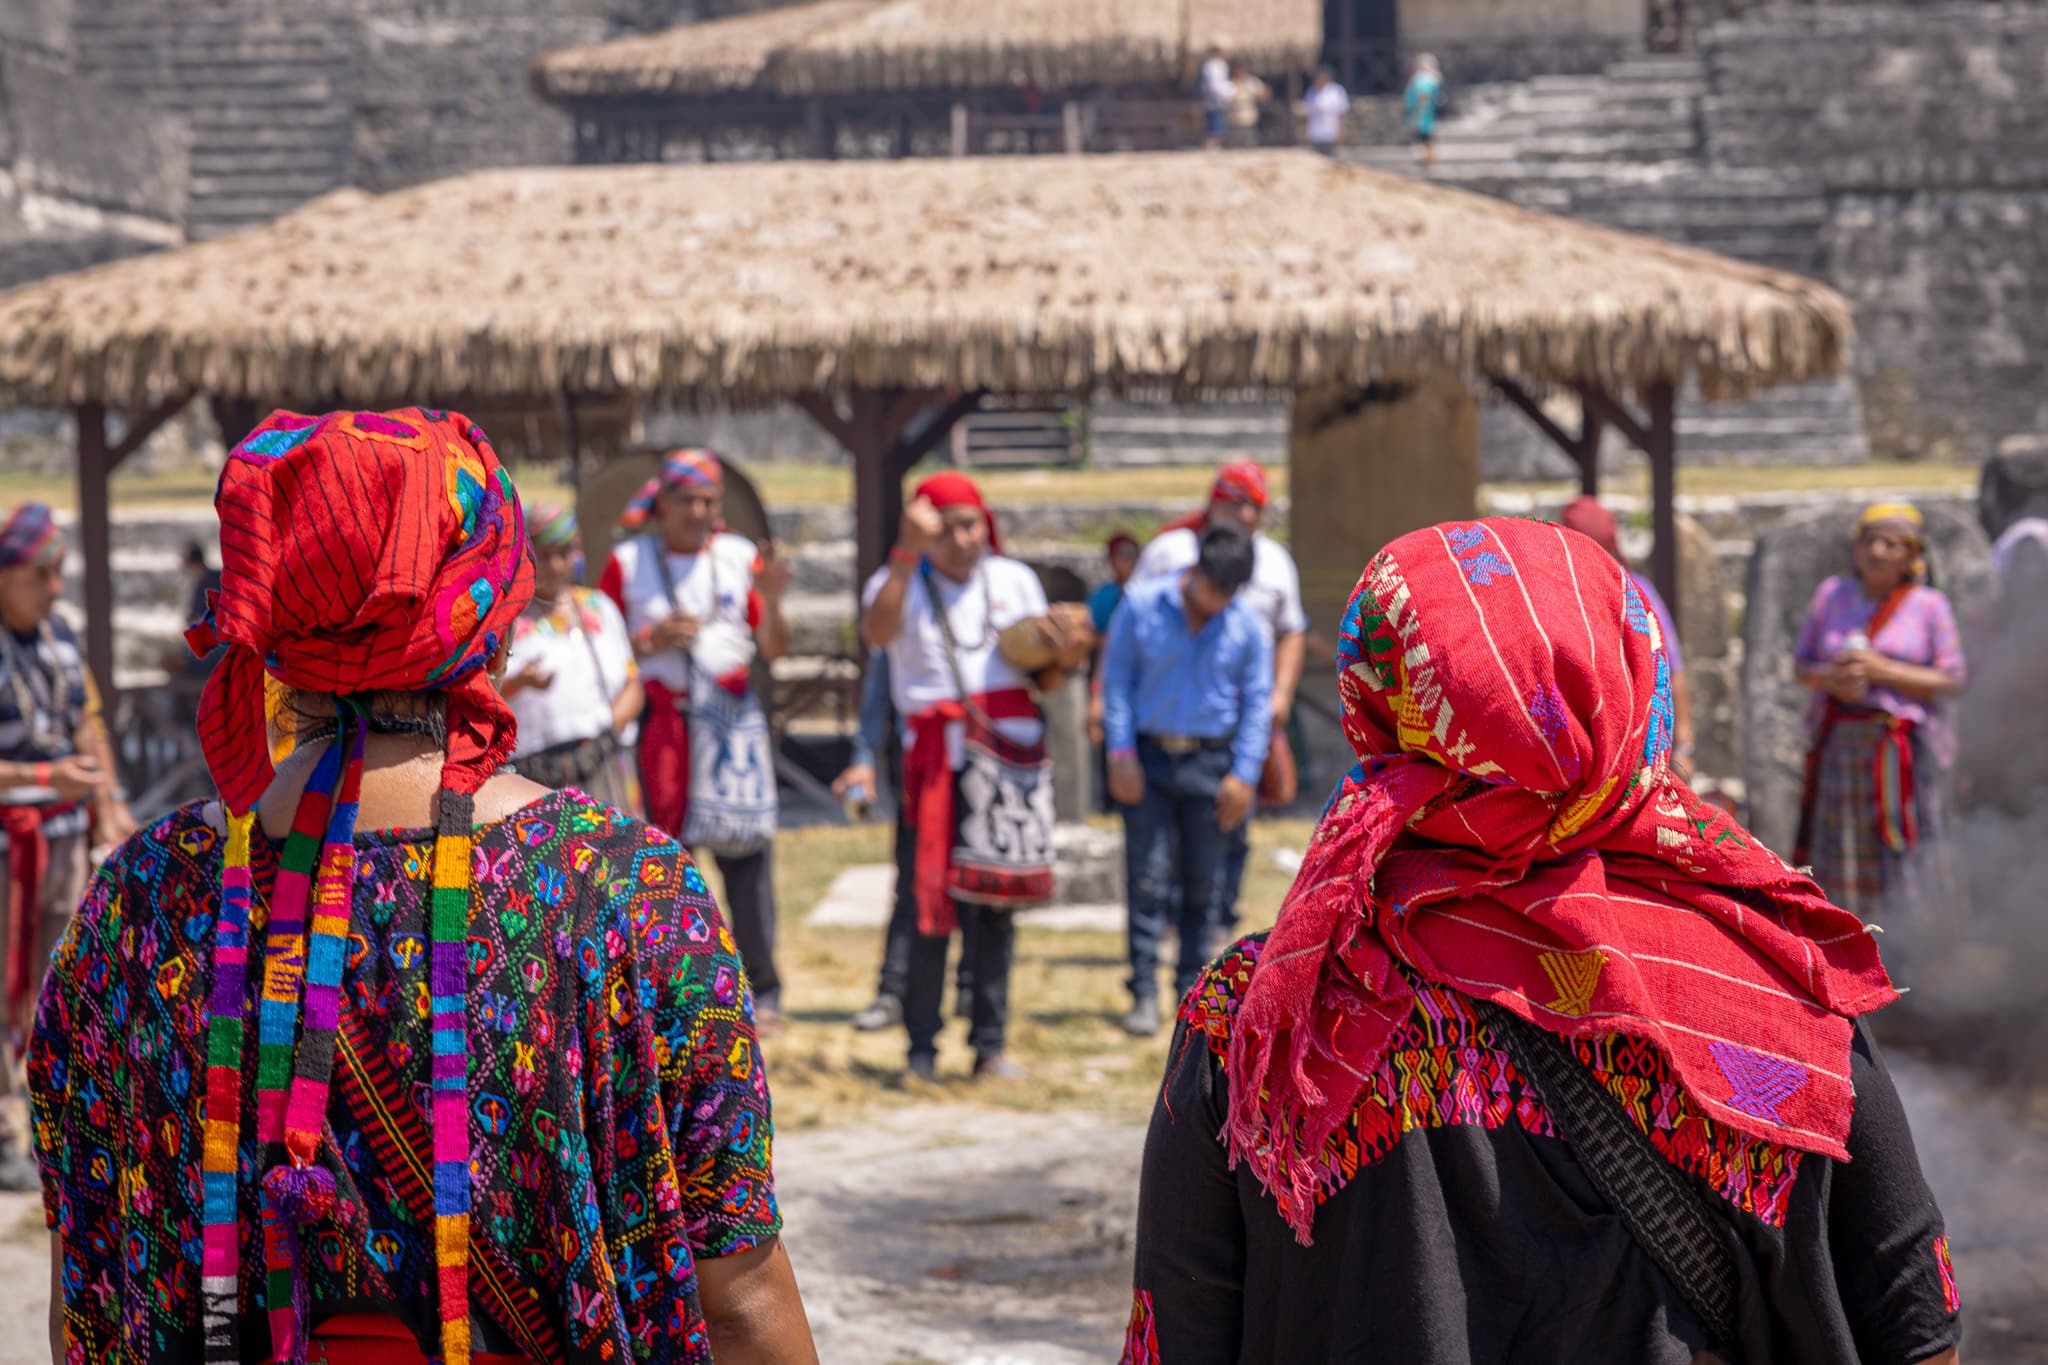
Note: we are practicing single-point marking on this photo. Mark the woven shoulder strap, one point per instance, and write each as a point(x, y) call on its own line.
point(1668, 1217)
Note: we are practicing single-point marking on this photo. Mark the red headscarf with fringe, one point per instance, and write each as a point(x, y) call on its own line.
point(1512, 831)
point(362, 552)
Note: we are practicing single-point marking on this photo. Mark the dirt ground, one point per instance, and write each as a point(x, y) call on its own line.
point(962, 1224)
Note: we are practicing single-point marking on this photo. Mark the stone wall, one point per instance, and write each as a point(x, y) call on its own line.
point(1927, 128)
point(83, 179)
point(442, 88)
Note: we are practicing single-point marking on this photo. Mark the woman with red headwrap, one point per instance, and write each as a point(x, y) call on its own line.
point(391, 1054)
point(977, 787)
point(1378, 1139)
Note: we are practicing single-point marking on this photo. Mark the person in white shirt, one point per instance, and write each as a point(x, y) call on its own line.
point(1326, 104)
point(572, 682)
point(1216, 89)
point(1239, 495)
point(701, 604)
point(977, 786)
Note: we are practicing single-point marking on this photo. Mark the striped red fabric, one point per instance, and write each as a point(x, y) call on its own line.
point(1512, 831)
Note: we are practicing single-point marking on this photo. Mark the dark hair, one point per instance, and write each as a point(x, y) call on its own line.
point(195, 554)
point(1225, 558)
point(1326, 73)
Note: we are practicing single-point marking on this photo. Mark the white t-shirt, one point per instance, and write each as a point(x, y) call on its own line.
point(1327, 106)
point(1000, 593)
point(1274, 593)
point(1215, 83)
point(715, 585)
point(586, 651)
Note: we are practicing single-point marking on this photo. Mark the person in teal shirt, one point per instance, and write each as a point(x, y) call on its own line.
point(1420, 104)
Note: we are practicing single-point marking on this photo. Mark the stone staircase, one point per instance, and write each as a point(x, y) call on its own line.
point(265, 94)
point(1629, 149)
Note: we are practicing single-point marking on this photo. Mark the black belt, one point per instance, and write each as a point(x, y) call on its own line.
point(1179, 746)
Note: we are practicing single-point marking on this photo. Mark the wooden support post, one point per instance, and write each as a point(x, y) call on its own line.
point(900, 148)
point(820, 129)
point(1584, 448)
point(1070, 127)
point(875, 428)
point(960, 130)
point(1591, 429)
point(1290, 123)
point(1662, 448)
point(95, 546)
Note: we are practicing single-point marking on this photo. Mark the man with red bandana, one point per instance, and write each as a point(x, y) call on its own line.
point(1239, 496)
point(977, 785)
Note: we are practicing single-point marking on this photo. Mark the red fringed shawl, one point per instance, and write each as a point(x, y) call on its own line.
point(1512, 831)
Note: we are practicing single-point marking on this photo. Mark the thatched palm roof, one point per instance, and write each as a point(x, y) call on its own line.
point(849, 46)
point(751, 282)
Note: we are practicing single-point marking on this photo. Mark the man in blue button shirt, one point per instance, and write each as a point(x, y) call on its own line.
point(1187, 696)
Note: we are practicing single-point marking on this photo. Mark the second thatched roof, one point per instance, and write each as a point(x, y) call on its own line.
point(745, 283)
point(836, 47)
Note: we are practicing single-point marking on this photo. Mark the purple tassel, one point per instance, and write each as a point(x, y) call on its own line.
point(302, 1196)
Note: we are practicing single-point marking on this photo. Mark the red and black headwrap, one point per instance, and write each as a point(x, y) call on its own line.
point(1512, 831)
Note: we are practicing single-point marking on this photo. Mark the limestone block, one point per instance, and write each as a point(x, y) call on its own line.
point(1790, 561)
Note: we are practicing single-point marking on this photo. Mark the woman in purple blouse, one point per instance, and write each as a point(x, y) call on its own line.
point(1882, 655)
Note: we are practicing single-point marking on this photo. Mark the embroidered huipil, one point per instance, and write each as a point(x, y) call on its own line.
point(618, 1111)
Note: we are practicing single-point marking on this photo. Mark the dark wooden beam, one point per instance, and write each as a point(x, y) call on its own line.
point(143, 427)
point(947, 415)
point(1584, 448)
point(872, 430)
point(1613, 412)
point(826, 414)
point(95, 547)
point(1662, 448)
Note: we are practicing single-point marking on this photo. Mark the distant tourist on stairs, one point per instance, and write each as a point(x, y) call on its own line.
point(702, 604)
point(1248, 99)
point(1215, 96)
point(1326, 105)
point(1187, 694)
point(1420, 105)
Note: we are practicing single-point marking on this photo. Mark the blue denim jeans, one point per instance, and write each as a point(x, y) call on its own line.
point(1175, 858)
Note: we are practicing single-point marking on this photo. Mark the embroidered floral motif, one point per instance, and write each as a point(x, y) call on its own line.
point(1444, 1070)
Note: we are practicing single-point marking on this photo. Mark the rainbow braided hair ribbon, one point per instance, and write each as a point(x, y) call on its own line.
point(360, 553)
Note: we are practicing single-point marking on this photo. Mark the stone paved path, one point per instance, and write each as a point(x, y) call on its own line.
point(956, 1235)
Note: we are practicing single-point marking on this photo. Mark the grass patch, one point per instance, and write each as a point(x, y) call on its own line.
point(1066, 996)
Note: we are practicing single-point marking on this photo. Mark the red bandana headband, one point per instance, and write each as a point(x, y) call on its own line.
point(1511, 830)
point(1238, 481)
point(360, 552)
point(950, 489)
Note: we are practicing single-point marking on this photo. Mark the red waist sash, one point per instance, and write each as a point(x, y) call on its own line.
point(928, 795)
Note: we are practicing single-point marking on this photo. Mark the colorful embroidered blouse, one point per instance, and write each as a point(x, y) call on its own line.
point(1462, 1230)
point(1922, 631)
point(620, 1124)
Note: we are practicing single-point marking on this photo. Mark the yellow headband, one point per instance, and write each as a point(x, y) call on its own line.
point(1903, 512)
